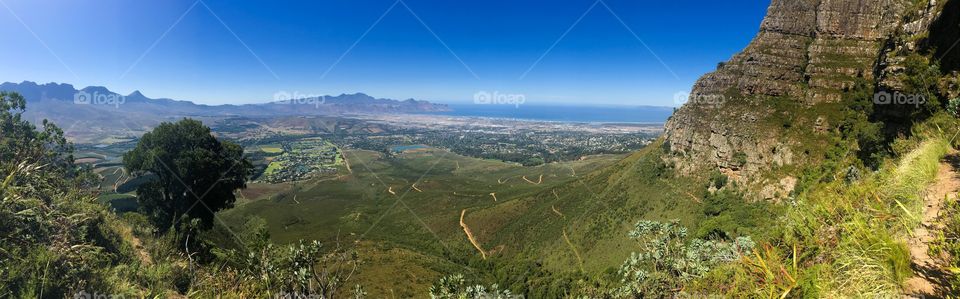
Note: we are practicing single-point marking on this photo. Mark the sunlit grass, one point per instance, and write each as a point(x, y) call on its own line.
point(846, 239)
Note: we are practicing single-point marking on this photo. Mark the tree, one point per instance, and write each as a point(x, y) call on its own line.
point(21, 141)
point(193, 174)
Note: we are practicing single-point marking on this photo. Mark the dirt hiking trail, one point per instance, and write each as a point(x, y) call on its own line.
point(929, 273)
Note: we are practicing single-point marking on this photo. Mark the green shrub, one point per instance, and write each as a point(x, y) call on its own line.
point(456, 287)
point(740, 158)
point(718, 180)
point(953, 107)
point(667, 260)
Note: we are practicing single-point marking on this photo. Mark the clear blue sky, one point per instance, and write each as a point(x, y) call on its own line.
point(289, 45)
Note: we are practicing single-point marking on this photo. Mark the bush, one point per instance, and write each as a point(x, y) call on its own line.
point(264, 269)
point(668, 260)
point(726, 215)
point(740, 158)
point(456, 287)
point(953, 107)
point(718, 180)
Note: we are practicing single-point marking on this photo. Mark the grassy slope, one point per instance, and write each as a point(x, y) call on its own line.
point(419, 236)
point(598, 209)
point(844, 239)
point(848, 237)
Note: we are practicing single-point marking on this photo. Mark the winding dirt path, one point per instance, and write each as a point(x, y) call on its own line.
point(539, 181)
point(574, 249)
point(929, 273)
point(470, 236)
point(554, 208)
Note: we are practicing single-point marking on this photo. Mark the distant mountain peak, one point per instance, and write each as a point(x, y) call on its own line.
point(161, 108)
point(357, 95)
point(97, 89)
point(137, 94)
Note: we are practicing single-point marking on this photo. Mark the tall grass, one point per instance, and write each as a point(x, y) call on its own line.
point(871, 258)
point(845, 239)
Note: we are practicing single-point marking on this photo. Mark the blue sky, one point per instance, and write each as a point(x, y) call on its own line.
point(443, 51)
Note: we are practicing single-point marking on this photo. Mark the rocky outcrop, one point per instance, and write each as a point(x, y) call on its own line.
point(807, 53)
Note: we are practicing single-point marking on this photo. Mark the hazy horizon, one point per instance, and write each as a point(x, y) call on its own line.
point(586, 53)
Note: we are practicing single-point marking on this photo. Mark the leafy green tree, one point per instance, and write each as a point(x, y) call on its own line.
point(194, 174)
point(21, 141)
point(921, 77)
point(857, 125)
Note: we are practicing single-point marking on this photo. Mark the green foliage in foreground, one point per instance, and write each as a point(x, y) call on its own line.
point(953, 107)
point(57, 240)
point(53, 238)
point(20, 141)
point(456, 287)
point(262, 268)
point(843, 238)
point(668, 260)
point(53, 241)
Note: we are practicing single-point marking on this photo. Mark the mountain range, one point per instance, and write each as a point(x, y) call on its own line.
point(96, 109)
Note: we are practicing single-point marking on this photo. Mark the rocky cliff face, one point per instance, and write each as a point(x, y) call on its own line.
point(772, 105)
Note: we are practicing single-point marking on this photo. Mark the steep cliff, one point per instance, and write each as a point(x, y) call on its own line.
point(771, 109)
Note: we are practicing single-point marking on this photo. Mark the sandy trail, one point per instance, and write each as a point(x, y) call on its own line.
point(470, 236)
point(141, 252)
point(574, 249)
point(554, 208)
point(538, 181)
point(929, 273)
point(415, 188)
